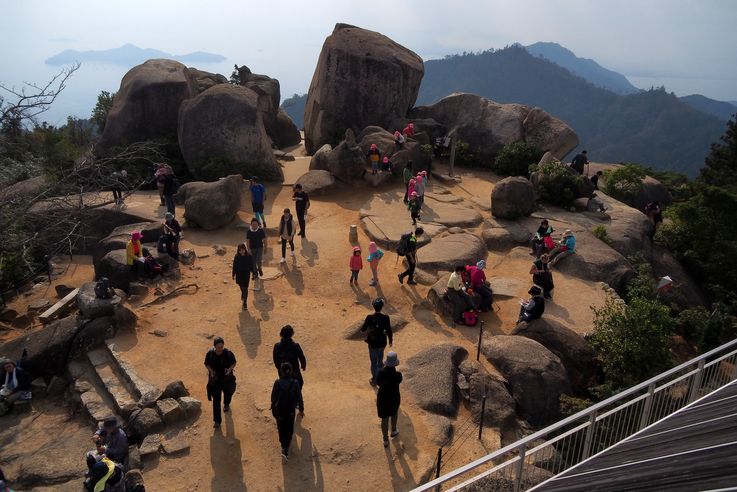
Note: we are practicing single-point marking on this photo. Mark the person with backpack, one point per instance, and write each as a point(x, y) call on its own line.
point(258, 197)
point(285, 397)
point(378, 330)
point(374, 155)
point(355, 264)
point(242, 270)
point(532, 308)
point(408, 248)
point(220, 363)
point(374, 257)
point(579, 162)
point(287, 350)
point(286, 233)
point(542, 276)
point(256, 243)
point(302, 204)
point(406, 177)
point(414, 207)
point(172, 235)
point(388, 397)
point(459, 298)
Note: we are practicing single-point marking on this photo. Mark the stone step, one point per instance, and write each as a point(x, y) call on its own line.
point(112, 380)
point(98, 404)
point(145, 392)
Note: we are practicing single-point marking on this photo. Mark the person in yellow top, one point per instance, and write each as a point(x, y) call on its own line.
point(102, 474)
point(134, 253)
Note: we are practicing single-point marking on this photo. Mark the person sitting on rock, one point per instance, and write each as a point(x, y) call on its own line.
point(399, 139)
point(409, 130)
point(16, 383)
point(134, 254)
point(459, 298)
point(534, 307)
point(537, 243)
point(374, 155)
point(172, 235)
point(566, 247)
point(594, 204)
point(104, 475)
point(595, 179)
point(110, 441)
point(479, 284)
point(542, 276)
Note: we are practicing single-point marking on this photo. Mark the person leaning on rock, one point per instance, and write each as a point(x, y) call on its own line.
point(220, 363)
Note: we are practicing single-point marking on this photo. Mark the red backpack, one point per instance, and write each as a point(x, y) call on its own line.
point(469, 318)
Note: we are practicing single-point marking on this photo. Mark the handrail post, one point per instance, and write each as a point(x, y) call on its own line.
point(696, 383)
point(481, 334)
point(589, 436)
point(437, 469)
point(481, 417)
point(520, 467)
point(645, 418)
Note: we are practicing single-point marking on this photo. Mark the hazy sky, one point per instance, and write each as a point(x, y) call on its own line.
point(688, 46)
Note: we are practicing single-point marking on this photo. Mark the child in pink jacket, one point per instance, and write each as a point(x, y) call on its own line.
point(355, 264)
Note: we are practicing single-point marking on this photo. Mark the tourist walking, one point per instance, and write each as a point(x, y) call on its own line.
point(256, 243)
point(243, 268)
point(220, 363)
point(411, 256)
point(302, 204)
point(406, 178)
point(579, 162)
point(286, 233)
point(286, 396)
point(355, 264)
point(258, 197)
point(374, 257)
point(388, 397)
point(287, 350)
point(160, 173)
point(172, 235)
point(414, 207)
point(378, 331)
point(117, 183)
point(420, 188)
point(171, 186)
point(411, 186)
point(542, 276)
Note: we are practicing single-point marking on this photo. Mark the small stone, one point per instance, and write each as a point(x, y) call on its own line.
point(144, 422)
point(175, 389)
point(56, 386)
point(134, 480)
point(191, 406)
point(176, 444)
point(170, 410)
point(134, 457)
point(150, 445)
point(219, 249)
point(158, 333)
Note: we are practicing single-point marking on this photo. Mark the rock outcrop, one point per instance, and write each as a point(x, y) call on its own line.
point(446, 252)
point(512, 198)
point(212, 205)
point(430, 376)
point(362, 78)
point(146, 106)
point(488, 126)
point(285, 132)
point(317, 182)
point(204, 80)
point(346, 161)
point(222, 132)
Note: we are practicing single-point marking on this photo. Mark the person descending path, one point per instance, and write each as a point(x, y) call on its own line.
point(414, 207)
point(378, 330)
point(302, 204)
point(220, 363)
point(420, 188)
point(287, 350)
point(243, 268)
point(286, 233)
point(258, 197)
point(406, 178)
point(355, 264)
point(388, 397)
point(374, 257)
point(408, 248)
point(286, 396)
point(256, 243)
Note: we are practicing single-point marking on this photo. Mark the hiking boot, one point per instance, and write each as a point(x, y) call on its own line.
point(216, 425)
point(372, 283)
point(401, 279)
point(411, 282)
point(394, 433)
point(284, 456)
point(283, 260)
point(260, 273)
point(226, 408)
point(386, 443)
point(292, 253)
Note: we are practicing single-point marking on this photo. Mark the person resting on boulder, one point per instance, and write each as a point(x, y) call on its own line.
point(479, 284)
point(539, 244)
point(459, 298)
point(134, 254)
point(594, 204)
point(16, 383)
point(111, 441)
point(532, 308)
point(566, 247)
point(409, 130)
point(172, 235)
point(374, 155)
point(542, 276)
point(399, 139)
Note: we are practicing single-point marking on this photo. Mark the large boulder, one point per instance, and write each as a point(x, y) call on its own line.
point(317, 182)
point(285, 132)
point(221, 132)
point(204, 80)
point(446, 252)
point(92, 307)
point(574, 352)
point(114, 267)
point(503, 235)
point(346, 161)
point(147, 104)
point(487, 126)
point(120, 236)
point(269, 94)
point(499, 408)
point(431, 376)
point(512, 198)
point(212, 205)
point(384, 140)
point(319, 161)
point(536, 376)
point(93, 334)
point(362, 78)
point(47, 349)
point(441, 211)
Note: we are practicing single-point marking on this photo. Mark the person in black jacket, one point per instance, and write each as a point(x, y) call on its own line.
point(242, 270)
point(378, 328)
point(287, 350)
point(534, 307)
point(286, 233)
point(16, 382)
point(285, 397)
point(388, 398)
point(170, 189)
point(220, 363)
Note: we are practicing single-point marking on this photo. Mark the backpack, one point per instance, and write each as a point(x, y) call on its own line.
point(374, 333)
point(285, 403)
point(403, 246)
point(469, 318)
point(152, 267)
point(102, 288)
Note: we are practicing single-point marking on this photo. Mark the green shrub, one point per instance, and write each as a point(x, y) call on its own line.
point(624, 183)
point(516, 158)
point(708, 329)
point(601, 234)
point(464, 156)
point(643, 283)
point(632, 340)
point(426, 150)
point(555, 183)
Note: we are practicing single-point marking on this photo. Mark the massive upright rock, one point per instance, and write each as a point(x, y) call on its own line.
point(362, 78)
point(147, 104)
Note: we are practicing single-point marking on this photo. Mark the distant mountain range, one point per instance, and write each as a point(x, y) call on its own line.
point(129, 54)
point(652, 127)
point(295, 108)
point(616, 82)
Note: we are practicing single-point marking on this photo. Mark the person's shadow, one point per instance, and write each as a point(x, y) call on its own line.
point(403, 445)
point(249, 328)
point(225, 457)
point(263, 301)
point(309, 251)
point(303, 478)
point(294, 277)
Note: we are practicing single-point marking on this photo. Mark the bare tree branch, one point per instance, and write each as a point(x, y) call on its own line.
point(33, 99)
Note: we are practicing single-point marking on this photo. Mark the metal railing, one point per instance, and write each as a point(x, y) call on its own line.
point(552, 450)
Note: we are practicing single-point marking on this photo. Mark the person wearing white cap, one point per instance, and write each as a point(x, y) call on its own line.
point(566, 247)
point(388, 397)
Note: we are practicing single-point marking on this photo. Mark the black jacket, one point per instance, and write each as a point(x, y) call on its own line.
point(379, 329)
point(285, 226)
point(24, 379)
point(388, 398)
point(285, 397)
point(289, 351)
point(242, 268)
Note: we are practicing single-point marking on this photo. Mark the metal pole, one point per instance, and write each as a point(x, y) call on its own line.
point(645, 417)
point(481, 417)
point(696, 381)
point(440, 457)
point(453, 140)
point(589, 436)
point(481, 333)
